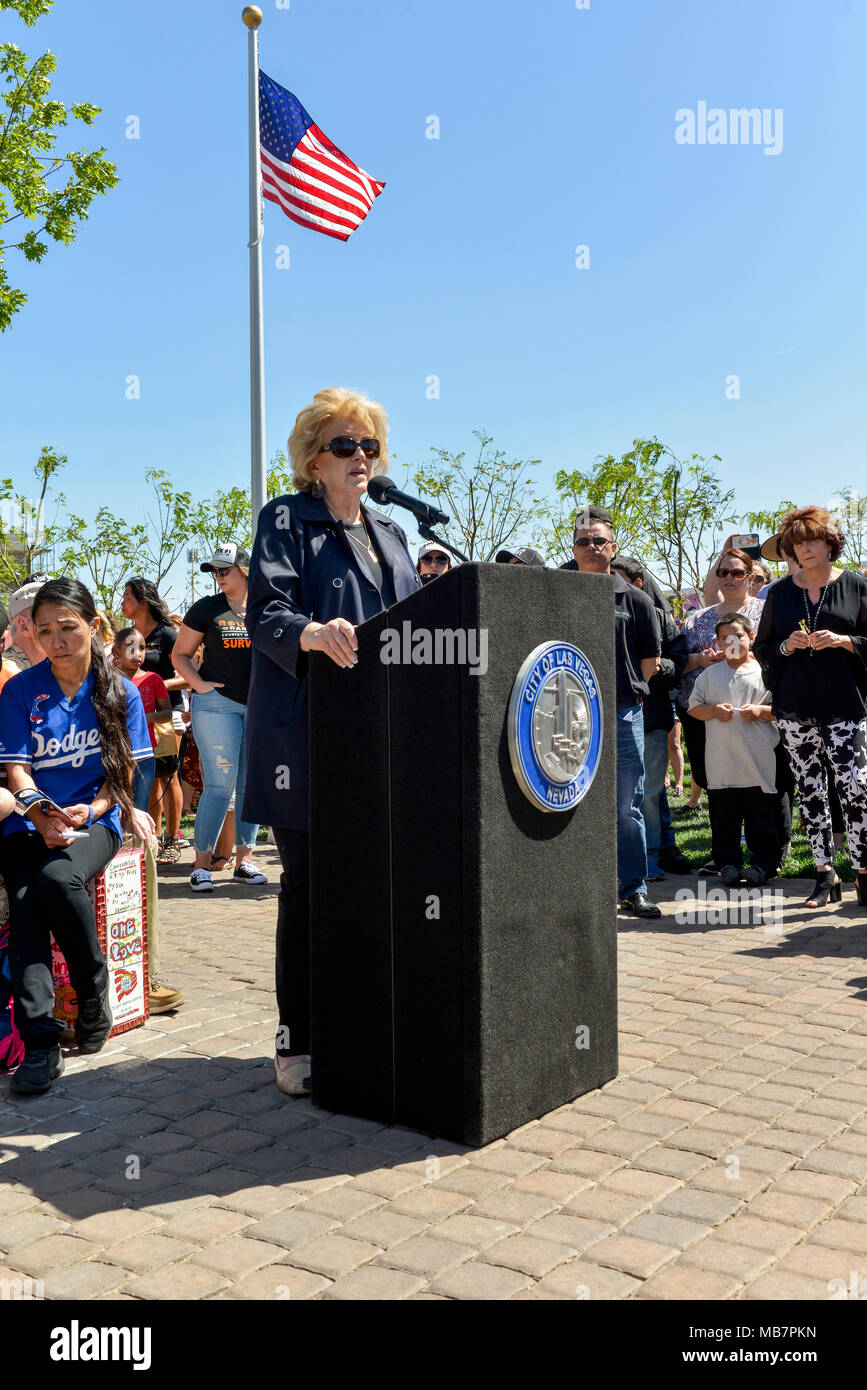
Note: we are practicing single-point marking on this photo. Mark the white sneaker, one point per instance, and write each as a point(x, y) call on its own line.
point(293, 1075)
point(248, 873)
point(201, 881)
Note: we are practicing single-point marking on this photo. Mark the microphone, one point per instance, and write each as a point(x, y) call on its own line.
point(385, 492)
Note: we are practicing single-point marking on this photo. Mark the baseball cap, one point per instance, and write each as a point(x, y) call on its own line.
point(431, 547)
point(225, 556)
point(23, 598)
point(587, 516)
point(525, 554)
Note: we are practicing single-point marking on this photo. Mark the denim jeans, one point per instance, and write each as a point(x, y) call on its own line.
point(666, 830)
point(631, 843)
point(143, 782)
point(655, 763)
point(218, 727)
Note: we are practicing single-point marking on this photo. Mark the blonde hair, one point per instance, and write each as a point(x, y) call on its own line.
point(332, 404)
point(107, 629)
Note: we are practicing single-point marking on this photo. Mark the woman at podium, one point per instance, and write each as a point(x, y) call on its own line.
point(321, 564)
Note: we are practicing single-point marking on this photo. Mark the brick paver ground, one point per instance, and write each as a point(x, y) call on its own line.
point(726, 1161)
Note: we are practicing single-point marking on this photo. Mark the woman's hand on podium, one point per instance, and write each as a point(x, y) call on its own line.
point(336, 639)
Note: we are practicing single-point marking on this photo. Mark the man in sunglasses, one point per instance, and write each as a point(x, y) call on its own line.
point(637, 654)
point(663, 855)
point(432, 561)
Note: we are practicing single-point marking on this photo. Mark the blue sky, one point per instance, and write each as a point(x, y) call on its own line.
point(556, 129)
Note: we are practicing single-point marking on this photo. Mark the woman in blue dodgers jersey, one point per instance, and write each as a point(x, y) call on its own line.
point(71, 727)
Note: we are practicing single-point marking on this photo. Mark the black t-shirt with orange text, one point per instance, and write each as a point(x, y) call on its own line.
point(227, 649)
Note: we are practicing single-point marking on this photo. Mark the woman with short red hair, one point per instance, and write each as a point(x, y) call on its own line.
point(812, 645)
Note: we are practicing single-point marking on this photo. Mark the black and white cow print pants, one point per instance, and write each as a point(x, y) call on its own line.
point(845, 748)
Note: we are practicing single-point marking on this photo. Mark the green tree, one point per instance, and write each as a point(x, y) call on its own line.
point(104, 553)
point(228, 516)
point(665, 510)
point(30, 163)
point(689, 510)
point(850, 508)
point(492, 503)
point(615, 484)
point(168, 527)
point(25, 535)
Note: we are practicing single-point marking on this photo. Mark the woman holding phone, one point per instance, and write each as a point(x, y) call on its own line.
point(71, 731)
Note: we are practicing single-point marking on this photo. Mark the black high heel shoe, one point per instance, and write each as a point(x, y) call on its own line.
point(828, 886)
point(861, 887)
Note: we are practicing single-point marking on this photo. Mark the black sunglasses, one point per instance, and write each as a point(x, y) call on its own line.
point(598, 541)
point(731, 574)
point(435, 559)
point(342, 447)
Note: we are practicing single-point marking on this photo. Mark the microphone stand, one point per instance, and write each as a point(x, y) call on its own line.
point(430, 535)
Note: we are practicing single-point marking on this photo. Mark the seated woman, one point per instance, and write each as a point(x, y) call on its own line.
point(71, 730)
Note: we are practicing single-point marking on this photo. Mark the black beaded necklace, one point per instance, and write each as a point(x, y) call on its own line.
point(812, 619)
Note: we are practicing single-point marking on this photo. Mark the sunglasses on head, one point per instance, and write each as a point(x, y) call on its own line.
point(434, 559)
point(731, 574)
point(598, 541)
point(343, 447)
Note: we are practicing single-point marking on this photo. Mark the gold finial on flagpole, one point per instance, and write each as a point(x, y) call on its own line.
point(252, 16)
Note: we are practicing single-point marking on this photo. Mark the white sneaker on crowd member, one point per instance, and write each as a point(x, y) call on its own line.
point(293, 1075)
point(248, 873)
point(201, 881)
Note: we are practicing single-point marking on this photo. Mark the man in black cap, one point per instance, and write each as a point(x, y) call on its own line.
point(637, 652)
point(585, 517)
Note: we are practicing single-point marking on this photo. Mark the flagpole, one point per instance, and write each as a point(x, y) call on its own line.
point(252, 17)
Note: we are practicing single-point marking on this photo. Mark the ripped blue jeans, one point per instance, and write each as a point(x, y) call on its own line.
point(219, 726)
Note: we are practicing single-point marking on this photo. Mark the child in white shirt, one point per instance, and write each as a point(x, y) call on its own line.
point(741, 768)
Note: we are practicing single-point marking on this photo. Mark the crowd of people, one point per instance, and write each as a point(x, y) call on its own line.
point(105, 731)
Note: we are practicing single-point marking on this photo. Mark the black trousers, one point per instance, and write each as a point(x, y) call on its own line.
point(785, 781)
point(47, 894)
point(749, 808)
point(293, 943)
point(694, 737)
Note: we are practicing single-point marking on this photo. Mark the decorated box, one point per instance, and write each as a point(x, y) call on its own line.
point(119, 898)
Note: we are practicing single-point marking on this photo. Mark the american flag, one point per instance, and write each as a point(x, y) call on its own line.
point(310, 178)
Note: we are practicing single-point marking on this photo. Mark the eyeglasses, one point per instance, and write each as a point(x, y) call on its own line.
point(599, 542)
point(434, 559)
point(731, 574)
point(342, 447)
point(220, 569)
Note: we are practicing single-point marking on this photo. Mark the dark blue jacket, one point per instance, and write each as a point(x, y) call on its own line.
point(303, 568)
